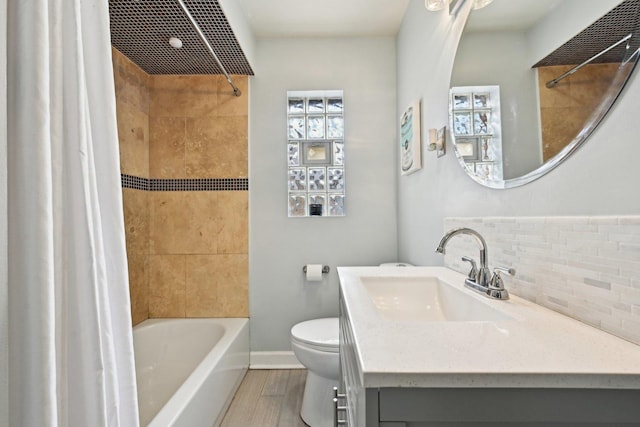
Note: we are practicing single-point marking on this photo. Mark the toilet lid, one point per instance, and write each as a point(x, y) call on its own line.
point(318, 332)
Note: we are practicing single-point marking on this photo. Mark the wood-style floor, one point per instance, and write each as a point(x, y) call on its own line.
point(268, 398)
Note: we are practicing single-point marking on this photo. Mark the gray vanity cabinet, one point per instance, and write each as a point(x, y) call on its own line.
point(484, 407)
point(361, 403)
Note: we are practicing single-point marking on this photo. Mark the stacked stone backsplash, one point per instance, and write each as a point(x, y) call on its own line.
point(183, 153)
point(587, 268)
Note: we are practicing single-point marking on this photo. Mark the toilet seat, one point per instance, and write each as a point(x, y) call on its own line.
point(318, 334)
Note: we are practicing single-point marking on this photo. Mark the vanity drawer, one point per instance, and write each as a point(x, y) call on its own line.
point(494, 406)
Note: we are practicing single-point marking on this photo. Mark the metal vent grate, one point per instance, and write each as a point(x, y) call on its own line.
point(141, 29)
point(609, 29)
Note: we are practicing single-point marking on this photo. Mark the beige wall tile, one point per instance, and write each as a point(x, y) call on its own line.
point(197, 83)
point(217, 147)
point(167, 275)
point(136, 220)
point(565, 108)
point(202, 292)
point(131, 82)
point(228, 103)
point(558, 96)
point(138, 286)
point(183, 96)
point(217, 286)
point(233, 222)
point(183, 222)
point(591, 83)
point(132, 107)
point(559, 127)
point(233, 286)
point(167, 147)
point(133, 136)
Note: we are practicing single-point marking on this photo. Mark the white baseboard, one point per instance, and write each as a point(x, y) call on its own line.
point(274, 360)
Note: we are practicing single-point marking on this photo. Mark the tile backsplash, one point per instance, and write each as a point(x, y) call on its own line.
point(584, 267)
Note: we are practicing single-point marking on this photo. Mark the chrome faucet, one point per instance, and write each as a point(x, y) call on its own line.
point(479, 279)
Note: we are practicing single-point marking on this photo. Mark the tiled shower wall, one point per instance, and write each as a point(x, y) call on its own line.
point(132, 105)
point(567, 106)
point(587, 268)
point(187, 219)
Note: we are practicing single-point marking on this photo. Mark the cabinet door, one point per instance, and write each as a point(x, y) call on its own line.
point(352, 387)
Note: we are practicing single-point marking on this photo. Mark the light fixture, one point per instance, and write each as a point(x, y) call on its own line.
point(175, 42)
point(479, 4)
point(437, 141)
point(435, 5)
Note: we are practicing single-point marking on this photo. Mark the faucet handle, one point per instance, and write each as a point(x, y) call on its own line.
point(473, 274)
point(496, 285)
point(496, 279)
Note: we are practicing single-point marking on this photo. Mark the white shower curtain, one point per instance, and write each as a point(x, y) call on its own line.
point(70, 341)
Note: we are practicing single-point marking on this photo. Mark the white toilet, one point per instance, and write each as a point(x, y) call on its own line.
point(315, 344)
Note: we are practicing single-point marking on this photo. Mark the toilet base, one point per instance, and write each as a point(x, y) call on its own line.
point(317, 401)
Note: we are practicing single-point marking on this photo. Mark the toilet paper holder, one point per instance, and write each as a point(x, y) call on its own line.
point(325, 269)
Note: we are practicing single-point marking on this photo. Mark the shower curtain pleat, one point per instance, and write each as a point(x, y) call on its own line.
point(70, 340)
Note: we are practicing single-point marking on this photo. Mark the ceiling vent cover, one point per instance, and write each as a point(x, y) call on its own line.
point(141, 30)
point(611, 28)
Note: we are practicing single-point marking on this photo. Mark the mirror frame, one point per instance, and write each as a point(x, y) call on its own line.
point(614, 92)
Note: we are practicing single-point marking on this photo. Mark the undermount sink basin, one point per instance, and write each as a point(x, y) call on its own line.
point(427, 299)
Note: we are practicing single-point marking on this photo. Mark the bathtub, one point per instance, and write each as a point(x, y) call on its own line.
point(189, 369)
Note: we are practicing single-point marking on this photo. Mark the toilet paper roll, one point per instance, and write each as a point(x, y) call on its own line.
point(314, 272)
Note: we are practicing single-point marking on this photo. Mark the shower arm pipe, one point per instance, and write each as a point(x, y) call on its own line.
point(203, 37)
point(552, 83)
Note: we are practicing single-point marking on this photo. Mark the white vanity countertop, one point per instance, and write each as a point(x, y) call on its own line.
point(537, 348)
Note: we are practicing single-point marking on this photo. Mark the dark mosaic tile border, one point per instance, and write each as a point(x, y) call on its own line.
point(197, 184)
point(137, 183)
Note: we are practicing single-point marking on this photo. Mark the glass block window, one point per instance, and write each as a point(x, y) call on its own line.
point(315, 153)
point(475, 120)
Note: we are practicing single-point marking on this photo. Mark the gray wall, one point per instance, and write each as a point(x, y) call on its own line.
point(365, 68)
point(600, 179)
point(480, 62)
point(238, 20)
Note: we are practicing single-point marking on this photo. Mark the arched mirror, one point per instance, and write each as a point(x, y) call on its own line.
point(532, 79)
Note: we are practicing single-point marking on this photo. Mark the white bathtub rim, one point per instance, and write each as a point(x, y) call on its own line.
point(171, 410)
